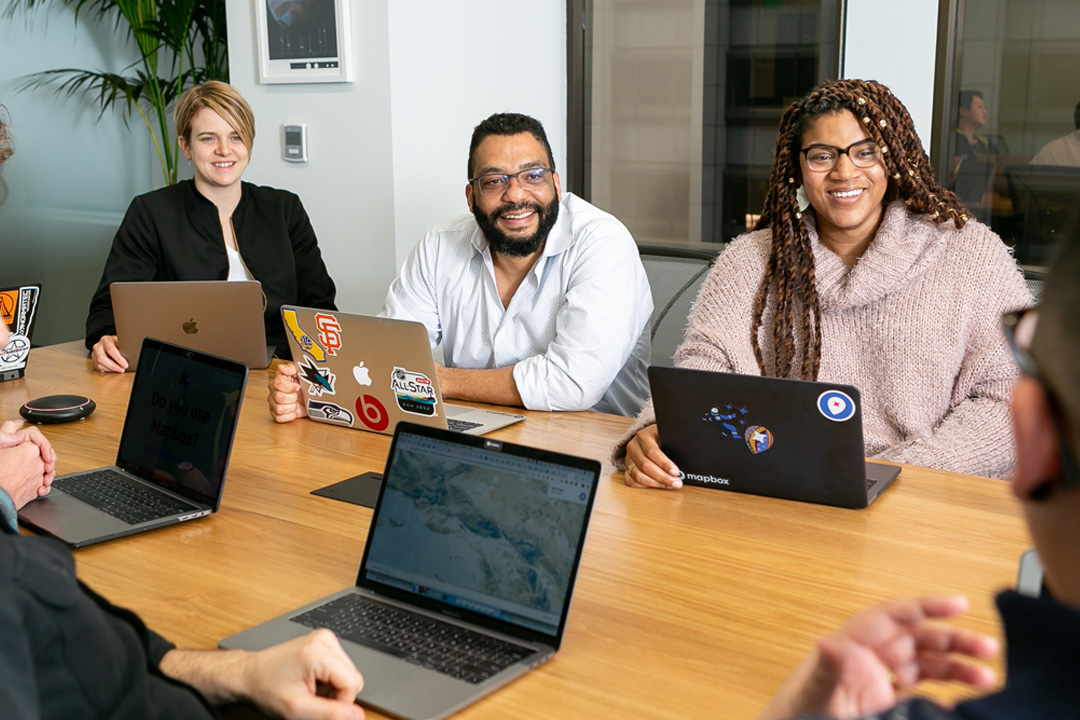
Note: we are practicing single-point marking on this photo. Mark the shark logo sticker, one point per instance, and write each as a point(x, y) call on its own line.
point(319, 379)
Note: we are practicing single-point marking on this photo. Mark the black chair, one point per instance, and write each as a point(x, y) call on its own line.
point(675, 274)
point(1035, 279)
point(1046, 200)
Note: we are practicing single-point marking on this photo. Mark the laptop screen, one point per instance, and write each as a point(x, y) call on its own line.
point(490, 531)
point(181, 419)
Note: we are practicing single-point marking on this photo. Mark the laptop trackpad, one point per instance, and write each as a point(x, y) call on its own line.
point(381, 672)
point(68, 518)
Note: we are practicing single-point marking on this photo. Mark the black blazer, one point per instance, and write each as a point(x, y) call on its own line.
point(174, 234)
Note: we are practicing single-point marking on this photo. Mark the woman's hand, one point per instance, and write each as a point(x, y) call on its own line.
point(106, 355)
point(284, 399)
point(647, 466)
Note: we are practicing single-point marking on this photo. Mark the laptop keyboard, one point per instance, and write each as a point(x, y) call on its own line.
point(460, 425)
point(455, 651)
point(120, 496)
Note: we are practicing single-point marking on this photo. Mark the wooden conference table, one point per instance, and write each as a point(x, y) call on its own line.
point(689, 604)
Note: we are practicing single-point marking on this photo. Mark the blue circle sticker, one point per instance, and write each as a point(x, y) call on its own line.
point(836, 405)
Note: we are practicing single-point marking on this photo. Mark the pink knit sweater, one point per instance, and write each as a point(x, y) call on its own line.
point(915, 325)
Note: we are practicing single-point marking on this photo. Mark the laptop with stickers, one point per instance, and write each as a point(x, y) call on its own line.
point(370, 373)
point(18, 307)
point(173, 455)
point(790, 439)
point(467, 575)
point(219, 317)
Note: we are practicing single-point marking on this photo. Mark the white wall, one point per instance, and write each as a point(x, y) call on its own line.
point(388, 151)
point(896, 44)
point(347, 184)
point(453, 63)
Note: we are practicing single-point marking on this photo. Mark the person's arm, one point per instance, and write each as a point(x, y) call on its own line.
point(856, 671)
point(705, 347)
point(131, 259)
point(975, 435)
point(495, 386)
point(309, 678)
point(599, 322)
point(314, 286)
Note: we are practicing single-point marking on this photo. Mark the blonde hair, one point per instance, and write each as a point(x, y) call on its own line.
point(223, 99)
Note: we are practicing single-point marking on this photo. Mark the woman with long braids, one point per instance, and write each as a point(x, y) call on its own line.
point(862, 270)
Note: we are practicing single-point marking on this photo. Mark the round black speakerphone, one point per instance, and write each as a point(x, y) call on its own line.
point(57, 409)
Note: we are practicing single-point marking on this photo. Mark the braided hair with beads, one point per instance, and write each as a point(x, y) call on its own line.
point(789, 286)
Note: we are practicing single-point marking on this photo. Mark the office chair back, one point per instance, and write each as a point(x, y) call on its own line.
point(675, 275)
point(1046, 200)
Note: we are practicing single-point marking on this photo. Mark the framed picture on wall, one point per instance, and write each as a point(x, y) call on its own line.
point(304, 41)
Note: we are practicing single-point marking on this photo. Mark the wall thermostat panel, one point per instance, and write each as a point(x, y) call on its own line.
point(294, 142)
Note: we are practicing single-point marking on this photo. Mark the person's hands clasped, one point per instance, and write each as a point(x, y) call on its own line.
point(106, 355)
point(27, 462)
point(646, 465)
point(857, 670)
point(284, 398)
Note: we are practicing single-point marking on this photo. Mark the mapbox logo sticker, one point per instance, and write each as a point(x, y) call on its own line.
point(836, 406)
point(329, 411)
point(329, 333)
point(414, 392)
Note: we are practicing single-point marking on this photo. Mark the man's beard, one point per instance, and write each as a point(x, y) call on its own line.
point(502, 243)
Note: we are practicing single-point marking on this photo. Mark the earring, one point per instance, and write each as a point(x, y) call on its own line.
point(800, 197)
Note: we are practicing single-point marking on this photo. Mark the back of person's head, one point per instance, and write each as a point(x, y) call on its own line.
point(508, 124)
point(223, 99)
point(966, 96)
point(1056, 345)
point(1076, 116)
point(5, 148)
point(789, 277)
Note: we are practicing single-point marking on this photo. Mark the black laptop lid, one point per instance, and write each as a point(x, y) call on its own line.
point(480, 529)
point(783, 438)
point(181, 419)
point(18, 308)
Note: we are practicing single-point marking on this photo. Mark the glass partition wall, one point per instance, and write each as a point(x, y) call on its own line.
point(681, 103)
point(1007, 117)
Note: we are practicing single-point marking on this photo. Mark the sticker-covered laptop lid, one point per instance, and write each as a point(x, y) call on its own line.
point(18, 308)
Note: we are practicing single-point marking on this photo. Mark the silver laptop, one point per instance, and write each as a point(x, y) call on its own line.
point(370, 373)
point(783, 438)
point(467, 574)
point(218, 317)
point(173, 455)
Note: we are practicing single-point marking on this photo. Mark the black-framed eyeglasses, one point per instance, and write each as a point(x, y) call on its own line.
point(1020, 329)
point(822, 158)
point(531, 180)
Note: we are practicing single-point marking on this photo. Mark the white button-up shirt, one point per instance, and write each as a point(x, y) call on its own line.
point(577, 329)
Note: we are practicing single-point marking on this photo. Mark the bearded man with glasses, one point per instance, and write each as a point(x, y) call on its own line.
point(858, 670)
point(538, 298)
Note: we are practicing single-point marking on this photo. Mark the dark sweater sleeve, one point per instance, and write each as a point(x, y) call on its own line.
point(132, 258)
point(313, 283)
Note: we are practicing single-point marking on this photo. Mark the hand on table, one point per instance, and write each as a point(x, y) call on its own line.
point(27, 462)
point(106, 355)
point(646, 465)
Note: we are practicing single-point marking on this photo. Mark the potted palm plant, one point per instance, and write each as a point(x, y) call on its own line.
point(181, 43)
